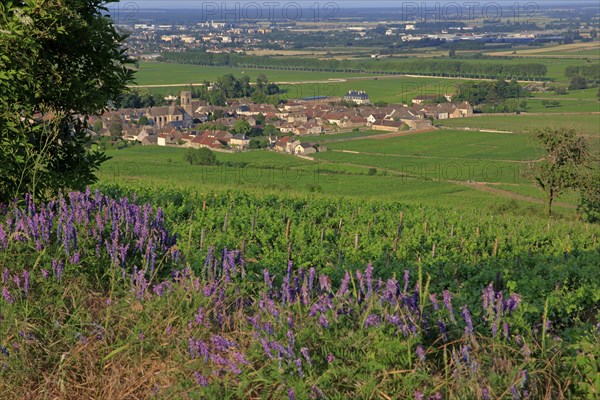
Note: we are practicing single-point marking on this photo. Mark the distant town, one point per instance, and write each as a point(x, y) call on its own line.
point(286, 128)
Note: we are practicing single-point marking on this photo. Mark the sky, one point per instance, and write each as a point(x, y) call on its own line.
point(340, 3)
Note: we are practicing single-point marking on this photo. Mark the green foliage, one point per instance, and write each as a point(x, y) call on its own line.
point(139, 98)
point(566, 158)
point(94, 331)
point(143, 120)
point(242, 127)
point(489, 92)
point(48, 74)
point(115, 127)
point(588, 72)
point(201, 156)
point(577, 83)
point(269, 130)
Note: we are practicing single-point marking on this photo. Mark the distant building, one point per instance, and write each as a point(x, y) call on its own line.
point(358, 97)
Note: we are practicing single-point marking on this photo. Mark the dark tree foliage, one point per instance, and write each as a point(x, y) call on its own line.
point(492, 93)
point(59, 61)
point(578, 82)
point(202, 156)
point(230, 87)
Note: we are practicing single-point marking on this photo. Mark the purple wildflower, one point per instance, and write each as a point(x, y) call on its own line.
point(361, 281)
point(199, 316)
point(5, 275)
point(443, 329)
point(487, 298)
point(420, 353)
point(7, 296)
point(266, 348)
point(448, 303)
point(26, 280)
point(525, 378)
point(306, 355)
point(513, 302)
point(299, 366)
point(3, 241)
point(515, 393)
point(372, 320)
point(506, 330)
point(467, 317)
point(192, 348)
point(222, 344)
point(330, 358)
point(419, 395)
point(391, 289)
point(267, 278)
point(465, 352)
point(369, 277)
point(239, 357)
point(200, 379)
point(323, 321)
point(291, 394)
point(58, 268)
point(485, 393)
point(325, 283)
point(434, 302)
point(344, 285)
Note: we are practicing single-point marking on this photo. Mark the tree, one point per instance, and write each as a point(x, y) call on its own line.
point(115, 127)
point(589, 200)
point(206, 157)
point(563, 166)
point(143, 120)
point(191, 156)
point(44, 144)
point(269, 130)
point(202, 156)
point(578, 82)
point(97, 126)
point(241, 126)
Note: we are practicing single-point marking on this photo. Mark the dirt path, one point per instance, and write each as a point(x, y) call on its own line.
point(505, 193)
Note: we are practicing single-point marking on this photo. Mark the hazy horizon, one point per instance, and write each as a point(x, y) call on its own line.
point(192, 4)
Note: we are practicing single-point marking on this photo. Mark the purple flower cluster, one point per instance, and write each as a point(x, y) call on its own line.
point(85, 224)
point(496, 307)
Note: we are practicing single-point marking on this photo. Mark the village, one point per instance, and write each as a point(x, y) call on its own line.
point(286, 128)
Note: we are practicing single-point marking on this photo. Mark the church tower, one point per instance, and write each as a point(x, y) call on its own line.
point(186, 102)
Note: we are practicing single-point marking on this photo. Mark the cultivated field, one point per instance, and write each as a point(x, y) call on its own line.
point(424, 167)
point(586, 124)
point(154, 73)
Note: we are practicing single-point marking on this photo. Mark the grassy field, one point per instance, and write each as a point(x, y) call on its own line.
point(586, 124)
point(418, 168)
point(153, 73)
point(566, 106)
point(451, 145)
point(389, 89)
point(584, 94)
point(392, 90)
